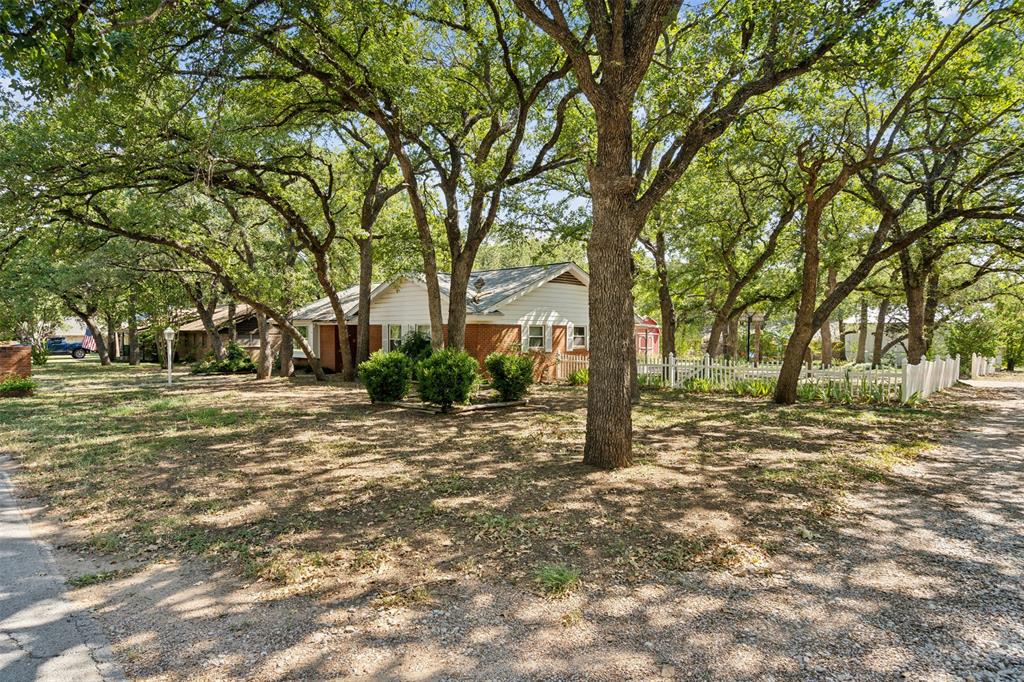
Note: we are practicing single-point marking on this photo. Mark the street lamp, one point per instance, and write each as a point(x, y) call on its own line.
point(169, 336)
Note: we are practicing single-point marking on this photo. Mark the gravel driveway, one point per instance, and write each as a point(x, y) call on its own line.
point(919, 578)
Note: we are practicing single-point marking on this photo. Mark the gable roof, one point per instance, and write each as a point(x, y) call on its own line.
point(488, 289)
point(220, 318)
point(321, 310)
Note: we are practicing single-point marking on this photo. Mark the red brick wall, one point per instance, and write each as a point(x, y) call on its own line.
point(484, 339)
point(15, 360)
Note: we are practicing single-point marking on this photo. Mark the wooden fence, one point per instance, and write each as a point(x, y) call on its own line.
point(885, 384)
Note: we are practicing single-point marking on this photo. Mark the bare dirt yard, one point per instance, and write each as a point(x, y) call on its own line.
point(227, 529)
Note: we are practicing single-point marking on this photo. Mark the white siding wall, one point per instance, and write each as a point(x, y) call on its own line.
point(404, 304)
point(554, 303)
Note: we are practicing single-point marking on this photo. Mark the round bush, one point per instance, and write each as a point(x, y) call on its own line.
point(448, 377)
point(386, 376)
point(511, 374)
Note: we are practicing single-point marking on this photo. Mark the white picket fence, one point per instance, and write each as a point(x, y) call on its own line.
point(676, 372)
point(929, 376)
point(982, 366)
point(920, 380)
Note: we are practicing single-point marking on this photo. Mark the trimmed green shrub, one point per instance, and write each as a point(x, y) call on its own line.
point(580, 377)
point(12, 386)
point(236, 361)
point(447, 377)
point(386, 376)
point(511, 374)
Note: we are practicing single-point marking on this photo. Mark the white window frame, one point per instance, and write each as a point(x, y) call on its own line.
point(532, 336)
point(393, 341)
point(577, 336)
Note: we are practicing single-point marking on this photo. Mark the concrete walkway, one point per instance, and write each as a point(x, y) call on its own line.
point(43, 635)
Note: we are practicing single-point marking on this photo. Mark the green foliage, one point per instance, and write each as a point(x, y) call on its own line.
point(699, 385)
point(386, 376)
point(40, 354)
point(13, 385)
point(236, 361)
point(448, 377)
point(416, 346)
point(580, 377)
point(511, 374)
point(557, 580)
point(757, 388)
point(972, 336)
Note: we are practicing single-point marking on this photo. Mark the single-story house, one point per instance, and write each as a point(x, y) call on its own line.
point(193, 342)
point(540, 309)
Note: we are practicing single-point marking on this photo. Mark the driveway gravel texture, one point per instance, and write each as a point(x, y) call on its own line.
point(920, 578)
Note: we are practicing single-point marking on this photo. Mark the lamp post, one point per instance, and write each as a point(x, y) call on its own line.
point(169, 336)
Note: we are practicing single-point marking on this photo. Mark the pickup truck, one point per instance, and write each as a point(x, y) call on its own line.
point(58, 345)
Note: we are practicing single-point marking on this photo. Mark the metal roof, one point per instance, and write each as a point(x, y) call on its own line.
point(488, 289)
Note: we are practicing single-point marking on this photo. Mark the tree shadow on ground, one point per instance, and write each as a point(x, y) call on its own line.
point(344, 539)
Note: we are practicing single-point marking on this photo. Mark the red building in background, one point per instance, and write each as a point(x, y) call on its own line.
point(648, 337)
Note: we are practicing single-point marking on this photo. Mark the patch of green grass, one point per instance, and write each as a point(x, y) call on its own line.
point(94, 578)
point(557, 580)
point(105, 542)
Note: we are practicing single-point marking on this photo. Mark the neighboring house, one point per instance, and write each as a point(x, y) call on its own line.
point(193, 342)
point(71, 329)
point(538, 309)
point(648, 337)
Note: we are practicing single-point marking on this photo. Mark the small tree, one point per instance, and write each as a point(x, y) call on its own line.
point(969, 337)
point(447, 377)
point(511, 374)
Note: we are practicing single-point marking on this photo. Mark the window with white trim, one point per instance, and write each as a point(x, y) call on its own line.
point(642, 341)
point(423, 329)
point(536, 337)
point(579, 337)
point(394, 336)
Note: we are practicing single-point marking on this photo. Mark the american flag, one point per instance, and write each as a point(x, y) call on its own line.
point(89, 343)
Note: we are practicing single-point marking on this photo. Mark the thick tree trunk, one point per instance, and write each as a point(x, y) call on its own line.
point(803, 328)
point(914, 278)
point(265, 359)
point(101, 343)
point(365, 283)
point(716, 342)
point(133, 331)
point(879, 348)
point(665, 303)
point(862, 332)
point(323, 275)
point(734, 338)
point(423, 229)
point(286, 355)
point(457, 292)
point(209, 324)
point(609, 440)
point(113, 347)
point(842, 340)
